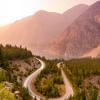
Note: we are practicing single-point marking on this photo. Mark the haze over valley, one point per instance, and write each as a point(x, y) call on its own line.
point(50, 50)
point(31, 31)
point(52, 34)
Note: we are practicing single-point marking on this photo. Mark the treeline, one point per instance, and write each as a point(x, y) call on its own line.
point(79, 69)
point(14, 52)
point(9, 52)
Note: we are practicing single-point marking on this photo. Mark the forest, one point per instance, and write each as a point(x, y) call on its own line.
point(9, 72)
point(77, 71)
point(13, 52)
point(49, 80)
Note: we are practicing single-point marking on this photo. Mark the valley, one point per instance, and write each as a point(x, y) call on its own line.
point(77, 81)
point(51, 55)
point(51, 79)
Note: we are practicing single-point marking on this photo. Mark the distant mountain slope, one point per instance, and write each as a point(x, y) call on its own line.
point(74, 12)
point(93, 53)
point(39, 28)
point(81, 36)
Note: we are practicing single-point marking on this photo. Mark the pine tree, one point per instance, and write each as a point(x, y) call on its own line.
point(1, 55)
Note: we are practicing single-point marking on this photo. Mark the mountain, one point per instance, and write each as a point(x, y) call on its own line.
point(38, 29)
point(94, 53)
point(74, 12)
point(81, 36)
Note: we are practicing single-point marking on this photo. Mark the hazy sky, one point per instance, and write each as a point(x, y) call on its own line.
point(11, 10)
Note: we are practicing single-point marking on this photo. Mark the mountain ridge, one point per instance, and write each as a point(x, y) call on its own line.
point(81, 36)
point(39, 29)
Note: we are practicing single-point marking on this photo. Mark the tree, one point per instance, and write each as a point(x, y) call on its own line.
point(25, 94)
point(1, 54)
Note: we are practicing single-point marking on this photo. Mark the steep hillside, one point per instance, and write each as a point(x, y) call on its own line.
point(81, 36)
point(16, 64)
point(39, 28)
point(94, 53)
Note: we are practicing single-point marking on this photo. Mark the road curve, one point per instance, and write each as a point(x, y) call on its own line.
point(27, 82)
point(68, 86)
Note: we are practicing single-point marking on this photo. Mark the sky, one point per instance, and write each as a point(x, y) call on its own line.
point(12, 10)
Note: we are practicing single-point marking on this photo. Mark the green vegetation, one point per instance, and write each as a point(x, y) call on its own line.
point(6, 94)
point(93, 91)
point(78, 70)
point(11, 53)
point(49, 80)
point(25, 94)
point(14, 52)
point(2, 75)
point(10, 72)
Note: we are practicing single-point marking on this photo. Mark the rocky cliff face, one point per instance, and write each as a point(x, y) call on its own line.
point(40, 28)
point(80, 37)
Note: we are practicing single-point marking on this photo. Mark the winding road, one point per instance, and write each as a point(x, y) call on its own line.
point(68, 86)
point(27, 83)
